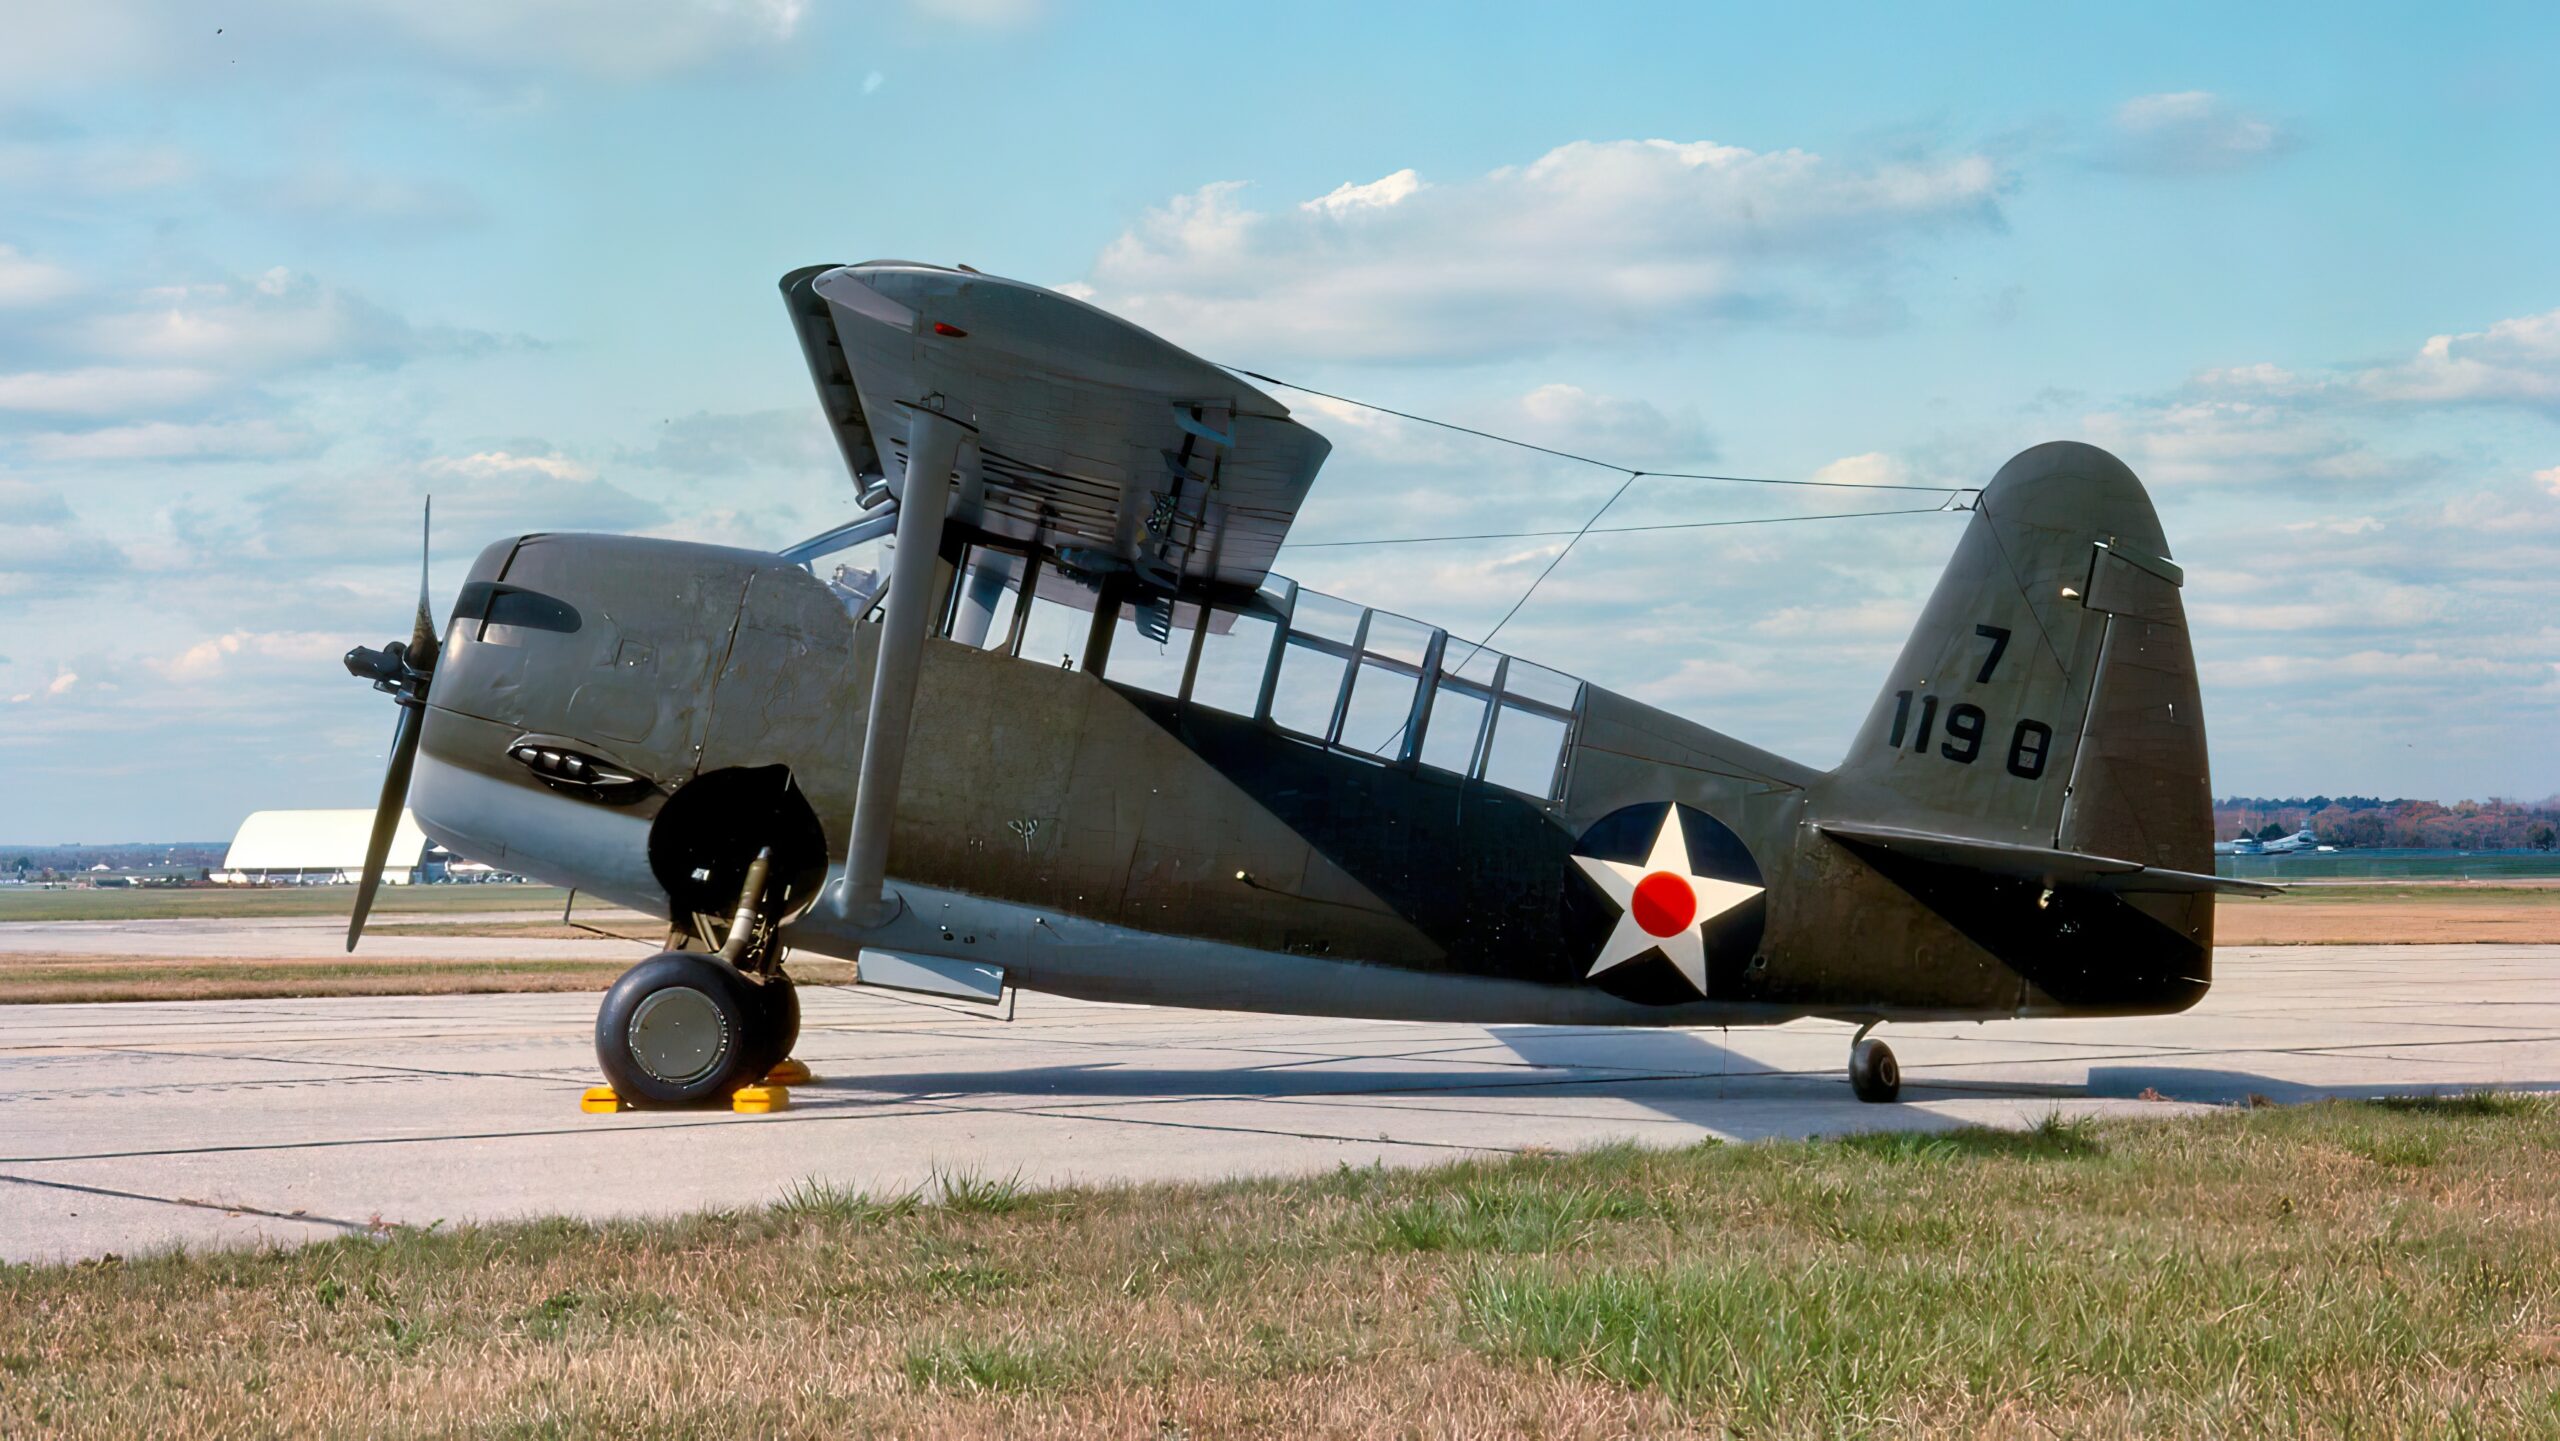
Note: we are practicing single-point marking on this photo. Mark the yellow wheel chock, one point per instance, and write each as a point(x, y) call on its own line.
point(758, 1100)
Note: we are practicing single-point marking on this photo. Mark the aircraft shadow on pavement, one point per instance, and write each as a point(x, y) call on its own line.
point(1678, 1072)
point(1687, 1076)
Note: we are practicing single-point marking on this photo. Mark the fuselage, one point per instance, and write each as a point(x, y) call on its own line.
point(1275, 801)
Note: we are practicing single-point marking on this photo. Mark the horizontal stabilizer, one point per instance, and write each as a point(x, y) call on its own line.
point(2039, 863)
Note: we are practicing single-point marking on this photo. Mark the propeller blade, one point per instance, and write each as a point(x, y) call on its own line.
point(422, 633)
point(386, 816)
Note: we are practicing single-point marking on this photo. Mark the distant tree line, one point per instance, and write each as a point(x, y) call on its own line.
point(2490, 825)
point(47, 862)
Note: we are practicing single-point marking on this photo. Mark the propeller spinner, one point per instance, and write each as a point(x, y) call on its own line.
point(402, 670)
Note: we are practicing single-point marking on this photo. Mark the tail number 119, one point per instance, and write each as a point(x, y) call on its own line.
point(2029, 740)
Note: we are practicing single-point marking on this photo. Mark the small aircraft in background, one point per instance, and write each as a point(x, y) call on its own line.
point(2301, 840)
point(1070, 733)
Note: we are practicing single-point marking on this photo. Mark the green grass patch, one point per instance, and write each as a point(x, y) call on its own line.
point(1504, 1213)
point(2345, 1268)
point(968, 1194)
point(2054, 1137)
point(998, 1365)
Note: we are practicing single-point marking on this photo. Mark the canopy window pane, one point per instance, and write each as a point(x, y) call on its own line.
point(1325, 617)
point(1381, 706)
point(1233, 657)
point(1526, 747)
point(1310, 682)
point(1539, 684)
point(1060, 621)
point(1457, 721)
point(1397, 638)
point(1144, 662)
point(1469, 661)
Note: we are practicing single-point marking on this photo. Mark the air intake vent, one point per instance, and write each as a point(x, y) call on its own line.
point(578, 772)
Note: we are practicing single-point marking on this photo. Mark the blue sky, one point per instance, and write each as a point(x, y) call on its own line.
point(261, 290)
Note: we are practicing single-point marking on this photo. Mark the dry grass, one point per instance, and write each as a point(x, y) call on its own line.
point(2519, 913)
point(2340, 1269)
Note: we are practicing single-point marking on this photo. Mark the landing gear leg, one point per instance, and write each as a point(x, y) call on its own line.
point(773, 1004)
point(683, 1028)
point(1874, 1075)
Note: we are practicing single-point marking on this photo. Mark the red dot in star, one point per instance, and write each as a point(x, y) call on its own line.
point(1665, 904)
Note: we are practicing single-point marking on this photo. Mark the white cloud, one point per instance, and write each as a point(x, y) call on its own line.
point(1590, 242)
point(278, 321)
point(24, 503)
point(62, 684)
point(2190, 132)
point(327, 516)
point(486, 463)
point(26, 281)
point(1376, 195)
point(165, 440)
point(43, 548)
point(52, 559)
point(2241, 442)
point(210, 657)
point(872, 82)
point(1872, 468)
point(99, 390)
point(2550, 480)
point(2512, 362)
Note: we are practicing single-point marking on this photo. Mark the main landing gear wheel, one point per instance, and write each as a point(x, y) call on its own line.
point(773, 1022)
point(681, 1028)
point(1873, 1072)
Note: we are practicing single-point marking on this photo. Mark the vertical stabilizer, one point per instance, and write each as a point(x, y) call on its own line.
point(2047, 699)
point(2048, 695)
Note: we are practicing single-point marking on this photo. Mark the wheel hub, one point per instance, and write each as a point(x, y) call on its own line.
point(678, 1035)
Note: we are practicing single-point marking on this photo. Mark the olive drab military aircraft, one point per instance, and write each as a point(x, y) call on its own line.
point(1074, 736)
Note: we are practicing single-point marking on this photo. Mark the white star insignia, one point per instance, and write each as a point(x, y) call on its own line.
point(1661, 905)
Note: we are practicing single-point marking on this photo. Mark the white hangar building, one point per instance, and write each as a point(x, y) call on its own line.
point(322, 848)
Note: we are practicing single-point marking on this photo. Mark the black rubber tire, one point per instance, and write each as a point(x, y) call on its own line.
point(773, 1022)
point(729, 1018)
point(1873, 1072)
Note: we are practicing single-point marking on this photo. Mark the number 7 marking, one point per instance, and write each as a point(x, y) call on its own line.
point(1999, 638)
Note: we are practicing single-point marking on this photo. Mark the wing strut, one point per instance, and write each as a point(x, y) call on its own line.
point(933, 448)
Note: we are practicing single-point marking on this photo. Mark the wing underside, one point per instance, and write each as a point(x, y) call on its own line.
point(1090, 435)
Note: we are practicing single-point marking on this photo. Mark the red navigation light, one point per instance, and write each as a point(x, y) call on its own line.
point(955, 332)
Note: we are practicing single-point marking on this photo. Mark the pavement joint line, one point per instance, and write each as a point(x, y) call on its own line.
point(843, 1110)
point(382, 1066)
point(241, 1209)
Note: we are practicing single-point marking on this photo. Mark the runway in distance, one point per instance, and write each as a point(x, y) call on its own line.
point(1073, 735)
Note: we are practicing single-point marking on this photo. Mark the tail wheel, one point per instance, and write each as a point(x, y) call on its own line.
point(773, 1025)
point(677, 1029)
point(1873, 1072)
